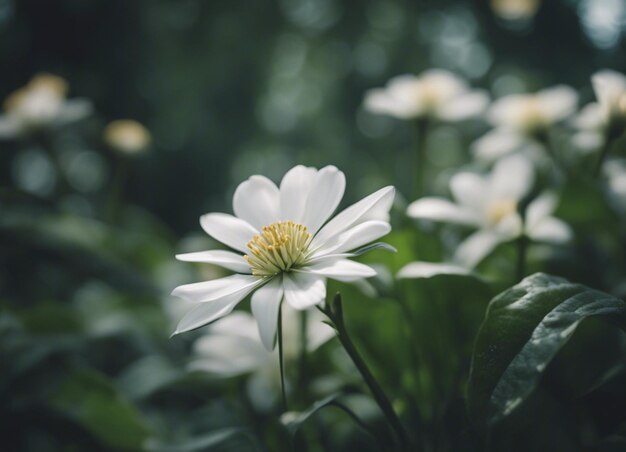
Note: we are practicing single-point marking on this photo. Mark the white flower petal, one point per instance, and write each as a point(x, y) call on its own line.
point(369, 206)
point(588, 141)
point(558, 102)
point(505, 111)
point(550, 230)
point(341, 270)
point(239, 323)
point(265, 305)
point(609, 86)
point(380, 101)
point(497, 143)
point(590, 117)
point(464, 106)
point(540, 208)
point(470, 190)
point(227, 355)
point(231, 231)
point(430, 269)
point(227, 259)
point(353, 238)
point(512, 177)
point(318, 332)
point(326, 192)
point(440, 209)
point(476, 247)
point(208, 291)
point(257, 201)
point(294, 191)
point(303, 290)
point(509, 227)
point(205, 313)
point(73, 110)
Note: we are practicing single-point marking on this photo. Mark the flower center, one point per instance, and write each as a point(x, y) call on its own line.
point(531, 114)
point(278, 248)
point(500, 209)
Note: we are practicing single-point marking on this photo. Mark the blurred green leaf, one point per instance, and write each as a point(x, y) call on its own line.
point(91, 400)
point(84, 245)
point(524, 329)
point(147, 375)
point(296, 420)
point(228, 439)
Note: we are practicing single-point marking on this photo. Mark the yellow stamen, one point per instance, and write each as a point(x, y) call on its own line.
point(500, 209)
point(279, 247)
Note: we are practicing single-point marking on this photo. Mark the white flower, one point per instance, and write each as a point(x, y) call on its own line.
point(615, 171)
point(231, 347)
point(606, 116)
point(127, 136)
point(436, 94)
point(490, 204)
point(284, 246)
point(515, 9)
point(40, 104)
point(520, 118)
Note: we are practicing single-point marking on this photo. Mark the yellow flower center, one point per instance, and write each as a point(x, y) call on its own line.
point(49, 85)
point(279, 247)
point(531, 114)
point(500, 209)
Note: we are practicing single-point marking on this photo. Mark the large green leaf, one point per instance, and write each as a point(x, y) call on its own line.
point(91, 400)
point(525, 327)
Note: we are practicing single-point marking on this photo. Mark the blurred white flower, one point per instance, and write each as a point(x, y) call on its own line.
point(127, 136)
point(285, 248)
point(489, 203)
point(231, 347)
point(515, 9)
point(520, 119)
point(430, 269)
point(40, 104)
point(615, 171)
point(436, 94)
point(605, 118)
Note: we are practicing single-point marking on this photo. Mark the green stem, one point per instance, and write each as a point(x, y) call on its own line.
point(302, 363)
point(356, 419)
point(522, 248)
point(281, 364)
point(419, 171)
point(335, 314)
point(117, 187)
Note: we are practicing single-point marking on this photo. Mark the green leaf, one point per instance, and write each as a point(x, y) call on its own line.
point(524, 329)
point(294, 421)
point(91, 400)
point(234, 439)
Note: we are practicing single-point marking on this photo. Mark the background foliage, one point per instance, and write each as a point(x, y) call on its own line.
point(233, 88)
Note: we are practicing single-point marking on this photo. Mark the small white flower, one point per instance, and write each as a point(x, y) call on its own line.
point(436, 94)
point(284, 246)
point(489, 203)
point(127, 136)
point(615, 171)
point(605, 117)
point(231, 347)
point(515, 9)
point(40, 104)
point(520, 118)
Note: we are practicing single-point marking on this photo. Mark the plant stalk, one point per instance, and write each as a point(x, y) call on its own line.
point(281, 363)
point(335, 314)
point(522, 248)
point(419, 170)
